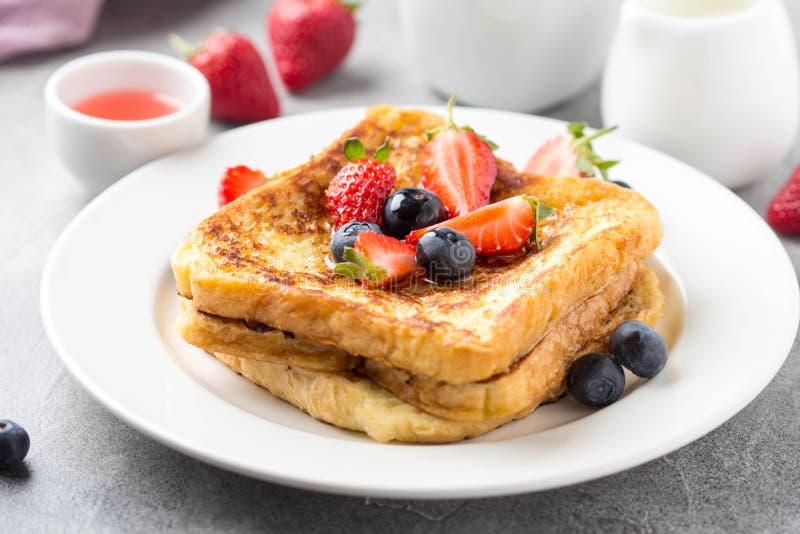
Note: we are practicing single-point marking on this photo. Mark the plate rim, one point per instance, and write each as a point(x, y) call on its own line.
point(690, 433)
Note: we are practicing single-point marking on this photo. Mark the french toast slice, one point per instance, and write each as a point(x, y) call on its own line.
point(262, 257)
point(530, 378)
point(632, 294)
point(251, 341)
point(350, 400)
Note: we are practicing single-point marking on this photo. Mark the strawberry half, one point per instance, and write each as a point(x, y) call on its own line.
point(377, 260)
point(571, 155)
point(458, 165)
point(783, 213)
point(500, 228)
point(238, 181)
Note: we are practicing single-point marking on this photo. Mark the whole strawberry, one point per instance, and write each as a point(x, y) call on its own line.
point(309, 38)
point(783, 213)
point(360, 188)
point(240, 88)
point(458, 165)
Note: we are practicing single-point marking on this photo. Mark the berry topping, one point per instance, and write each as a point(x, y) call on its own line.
point(596, 380)
point(783, 213)
point(360, 188)
point(377, 260)
point(571, 155)
point(458, 165)
point(309, 38)
point(446, 255)
point(500, 228)
point(240, 88)
point(346, 235)
point(238, 181)
point(411, 208)
point(14, 443)
point(639, 348)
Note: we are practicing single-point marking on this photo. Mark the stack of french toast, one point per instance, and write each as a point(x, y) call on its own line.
point(422, 362)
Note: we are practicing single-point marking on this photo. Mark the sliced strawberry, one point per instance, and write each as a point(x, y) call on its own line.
point(458, 165)
point(571, 155)
point(554, 158)
point(499, 228)
point(238, 181)
point(378, 260)
point(783, 213)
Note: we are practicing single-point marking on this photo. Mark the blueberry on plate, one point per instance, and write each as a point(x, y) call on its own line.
point(639, 348)
point(411, 208)
point(346, 236)
point(596, 379)
point(446, 255)
point(620, 183)
point(14, 443)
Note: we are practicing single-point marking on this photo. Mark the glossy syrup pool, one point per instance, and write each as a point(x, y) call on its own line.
point(219, 380)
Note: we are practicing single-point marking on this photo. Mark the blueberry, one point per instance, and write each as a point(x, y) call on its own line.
point(596, 379)
point(620, 183)
point(411, 208)
point(446, 255)
point(639, 348)
point(346, 236)
point(14, 443)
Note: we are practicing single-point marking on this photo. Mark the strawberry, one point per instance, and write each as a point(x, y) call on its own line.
point(360, 188)
point(240, 88)
point(378, 260)
point(238, 181)
point(571, 155)
point(458, 165)
point(309, 38)
point(500, 228)
point(783, 213)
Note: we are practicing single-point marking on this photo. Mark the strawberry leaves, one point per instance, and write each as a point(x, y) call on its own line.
point(587, 159)
point(540, 212)
point(450, 124)
point(354, 150)
point(358, 267)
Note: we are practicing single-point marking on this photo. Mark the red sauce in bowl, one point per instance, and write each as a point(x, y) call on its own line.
point(127, 105)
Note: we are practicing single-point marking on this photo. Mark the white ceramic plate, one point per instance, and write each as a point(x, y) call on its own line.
point(108, 303)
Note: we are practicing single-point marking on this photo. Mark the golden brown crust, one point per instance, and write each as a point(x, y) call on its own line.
point(261, 258)
point(354, 402)
point(235, 338)
point(540, 374)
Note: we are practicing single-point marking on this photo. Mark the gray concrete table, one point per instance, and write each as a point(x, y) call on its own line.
point(87, 471)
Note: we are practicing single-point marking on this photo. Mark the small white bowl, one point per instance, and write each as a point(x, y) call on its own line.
point(100, 151)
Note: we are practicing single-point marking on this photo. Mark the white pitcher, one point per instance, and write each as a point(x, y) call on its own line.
point(712, 82)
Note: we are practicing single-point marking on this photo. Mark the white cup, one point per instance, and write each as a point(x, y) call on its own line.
point(711, 82)
point(100, 151)
point(521, 55)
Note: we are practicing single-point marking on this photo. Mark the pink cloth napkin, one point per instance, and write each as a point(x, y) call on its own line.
point(28, 25)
